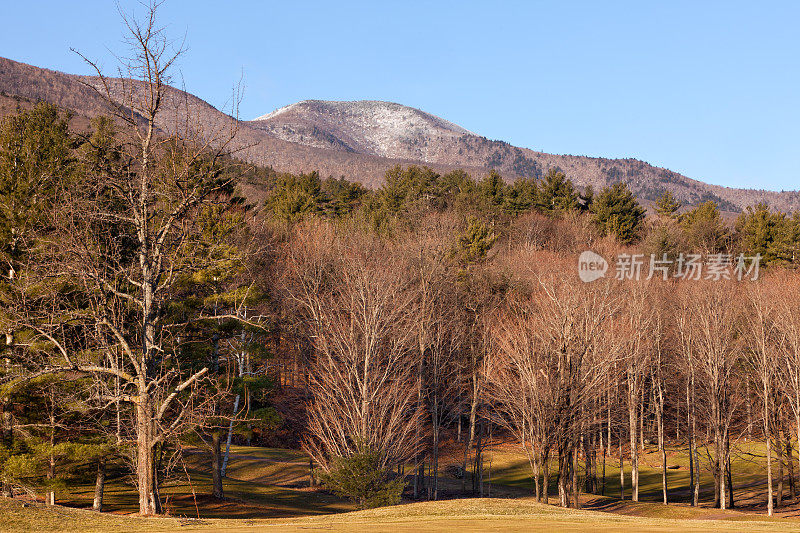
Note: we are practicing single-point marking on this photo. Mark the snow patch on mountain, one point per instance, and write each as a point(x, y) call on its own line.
point(366, 126)
point(278, 111)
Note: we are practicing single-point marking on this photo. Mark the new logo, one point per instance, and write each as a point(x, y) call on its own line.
point(591, 266)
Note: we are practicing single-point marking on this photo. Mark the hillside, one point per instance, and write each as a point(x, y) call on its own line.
point(361, 140)
point(367, 127)
point(392, 130)
point(21, 84)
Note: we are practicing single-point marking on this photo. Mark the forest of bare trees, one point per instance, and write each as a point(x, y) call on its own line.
point(148, 309)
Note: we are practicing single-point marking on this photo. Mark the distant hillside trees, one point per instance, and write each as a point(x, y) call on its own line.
point(771, 234)
point(617, 213)
point(667, 206)
point(704, 229)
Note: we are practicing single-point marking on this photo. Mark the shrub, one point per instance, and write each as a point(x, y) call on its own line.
point(360, 479)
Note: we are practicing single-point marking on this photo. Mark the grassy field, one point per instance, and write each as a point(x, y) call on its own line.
point(486, 514)
point(260, 483)
point(748, 464)
point(268, 489)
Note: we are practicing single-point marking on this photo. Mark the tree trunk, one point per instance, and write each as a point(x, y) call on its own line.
point(632, 412)
point(435, 456)
point(749, 412)
point(564, 464)
point(576, 487)
point(8, 425)
point(696, 491)
point(51, 466)
point(7, 437)
point(660, 422)
point(678, 419)
point(719, 460)
point(603, 486)
point(228, 439)
point(473, 410)
point(621, 470)
point(797, 422)
point(729, 477)
point(779, 449)
point(435, 428)
point(216, 466)
point(99, 485)
point(690, 431)
point(790, 467)
point(477, 485)
point(770, 495)
point(534, 459)
point(546, 476)
point(607, 449)
point(641, 432)
point(149, 503)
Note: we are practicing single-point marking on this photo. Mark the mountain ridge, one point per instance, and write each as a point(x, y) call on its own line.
point(361, 140)
point(309, 122)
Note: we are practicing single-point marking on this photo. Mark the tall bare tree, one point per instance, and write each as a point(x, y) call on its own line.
point(636, 331)
point(124, 239)
point(762, 359)
point(359, 311)
point(716, 351)
point(554, 349)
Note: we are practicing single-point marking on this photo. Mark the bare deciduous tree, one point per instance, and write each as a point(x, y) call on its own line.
point(126, 235)
point(553, 351)
point(358, 310)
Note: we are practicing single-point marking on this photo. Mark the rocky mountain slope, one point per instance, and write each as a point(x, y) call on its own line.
point(396, 131)
point(361, 140)
point(366, 127)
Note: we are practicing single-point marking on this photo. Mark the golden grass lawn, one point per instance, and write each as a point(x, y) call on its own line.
point(267, 490)
point(488, 514)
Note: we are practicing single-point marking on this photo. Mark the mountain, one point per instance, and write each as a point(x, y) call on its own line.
point(21, 85)
point(361, 140)
point(384, 129)
point(395, 131)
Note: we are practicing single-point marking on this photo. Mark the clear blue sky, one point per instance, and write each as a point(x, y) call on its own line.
point(708, 89)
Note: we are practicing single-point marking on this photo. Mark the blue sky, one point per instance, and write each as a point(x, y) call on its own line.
point(708, 89)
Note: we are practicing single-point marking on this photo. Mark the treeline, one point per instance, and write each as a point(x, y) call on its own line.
point(147, 308)
point(413, 192)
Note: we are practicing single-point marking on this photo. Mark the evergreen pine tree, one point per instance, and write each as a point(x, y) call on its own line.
point(617, 213)
point(667, 206)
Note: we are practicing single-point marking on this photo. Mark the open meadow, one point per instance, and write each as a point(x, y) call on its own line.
point(268, 489)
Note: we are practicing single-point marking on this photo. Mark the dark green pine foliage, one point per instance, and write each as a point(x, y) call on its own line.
point(231, 284)
point(408, 190)
point(587, 198)
point(521, 197)
point(617, 213)
point(294, 196)
point(704, 229)
point(557, 193)
point(341, 197)
point(35, 152)
point(63, 439)
point(771, 234)
point(360, 479)
point(667, 206)
point(35, 157)
point(493, 188)
point(476, 241)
